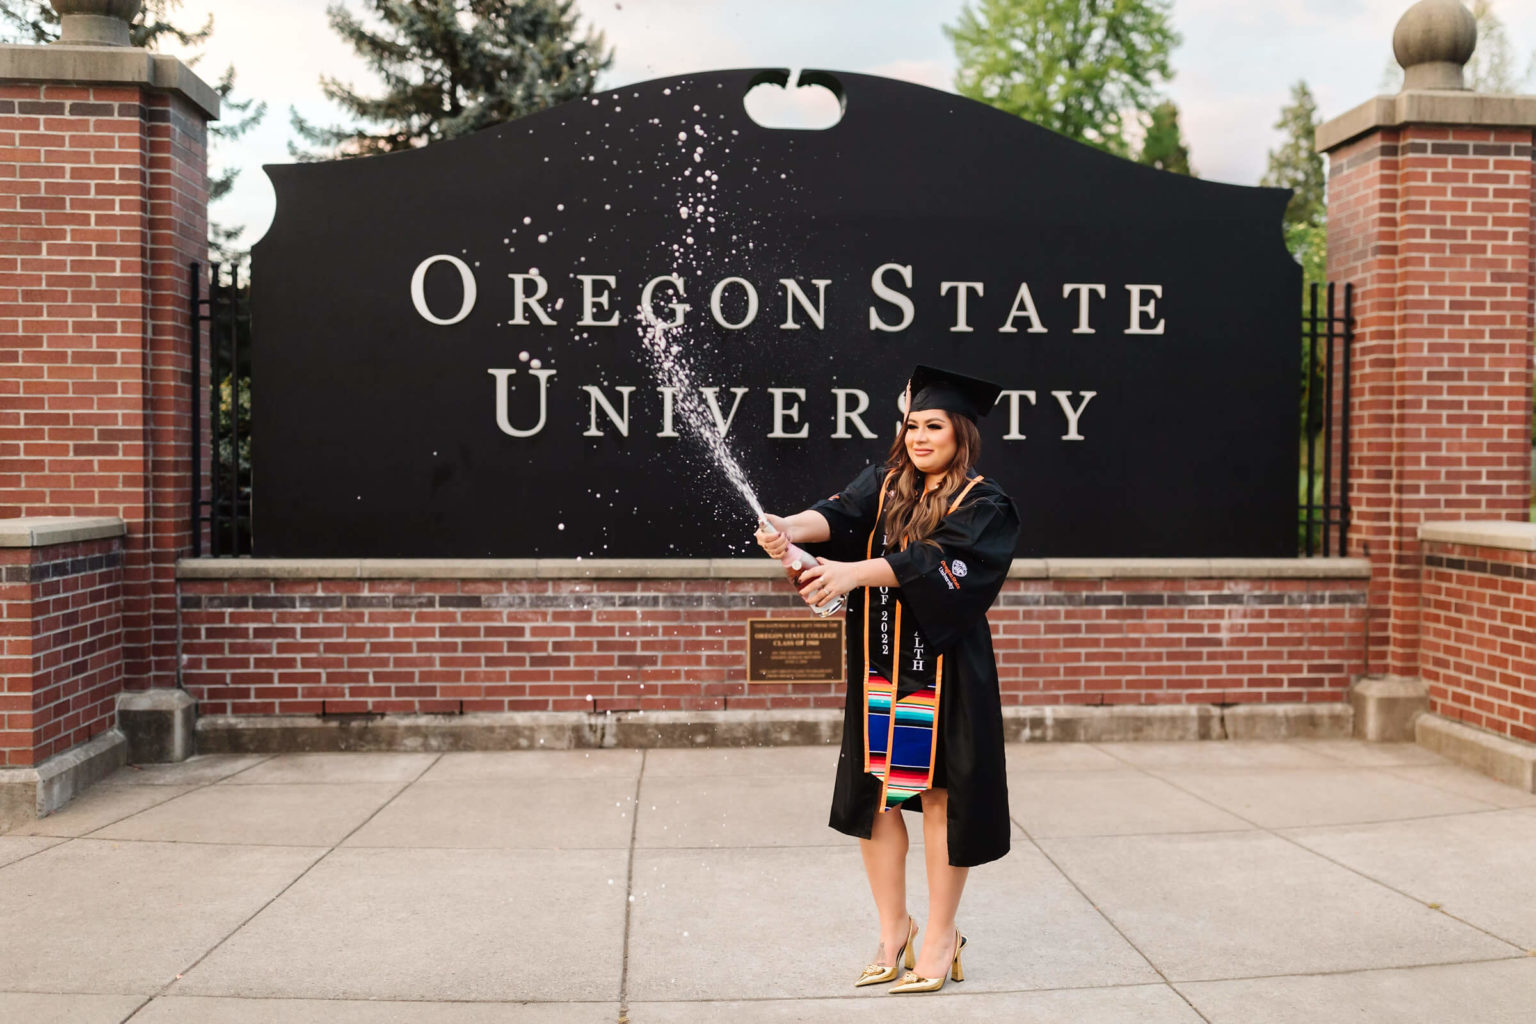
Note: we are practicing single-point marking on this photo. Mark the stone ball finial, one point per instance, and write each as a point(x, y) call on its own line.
point(95, 22)
point(1433, 40)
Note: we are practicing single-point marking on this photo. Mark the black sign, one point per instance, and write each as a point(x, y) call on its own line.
point(798, 650)
point(457, 348)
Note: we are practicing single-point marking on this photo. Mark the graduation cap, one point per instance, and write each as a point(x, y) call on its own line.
point(970, 397)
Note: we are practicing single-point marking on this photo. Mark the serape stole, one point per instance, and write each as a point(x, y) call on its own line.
point(900, 718)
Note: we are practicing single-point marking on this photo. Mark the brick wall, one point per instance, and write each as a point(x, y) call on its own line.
point(1479, 639)
point(61, 625)
point(103, 195)
point(284, 646)
point(1433, 225)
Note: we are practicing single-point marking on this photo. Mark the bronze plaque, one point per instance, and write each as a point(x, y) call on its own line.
point(795, 650)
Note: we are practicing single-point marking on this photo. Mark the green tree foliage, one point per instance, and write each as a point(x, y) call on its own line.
point(1295, 163)
point(35, 21)
point(450, 67)
point(1163, 146)
point(1078, 67)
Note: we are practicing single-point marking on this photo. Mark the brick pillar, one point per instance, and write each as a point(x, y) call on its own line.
point(1430, 207)
point(103, 203)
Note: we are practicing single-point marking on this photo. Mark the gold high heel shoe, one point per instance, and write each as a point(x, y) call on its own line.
point(874, 974)
point(910, 982)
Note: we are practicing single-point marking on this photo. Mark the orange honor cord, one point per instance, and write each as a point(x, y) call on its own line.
point(961, 496)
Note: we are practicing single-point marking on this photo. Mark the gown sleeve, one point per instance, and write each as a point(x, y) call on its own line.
point(951, 586)
point(850, 514)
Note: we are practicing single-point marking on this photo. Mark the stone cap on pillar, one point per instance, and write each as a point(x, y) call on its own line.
point(94, 49)
point(1433, 41)
point(96, 22)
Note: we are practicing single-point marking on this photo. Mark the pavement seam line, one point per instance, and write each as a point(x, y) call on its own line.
point(65, 840)
point(1105, 915)
point(1351, 868)
point(629, 894)
point(1352, 970)
point(291, 883)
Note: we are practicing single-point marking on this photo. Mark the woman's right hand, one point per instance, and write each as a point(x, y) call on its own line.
point(776, 544)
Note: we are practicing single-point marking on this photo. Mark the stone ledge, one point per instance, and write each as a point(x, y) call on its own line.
point(1387, 706)
point(1483, 533)
point(59, 64)
point(1499, 757)
point(1460, 107)
point(41, 531)
point(27, 794)
point(568, 730)
point(742, 568)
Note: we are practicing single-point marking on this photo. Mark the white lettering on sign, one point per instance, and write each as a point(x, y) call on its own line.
point(899, 300)
point(892, 309)
point(667, 396)
point(1140, 309)
point(419, 289)
point(712, 398)
point(678, 308)
point(502, 421)
point(617, 418)
point(1014, 434)
point(962, 290)
point(522, 301)
point(790, 412)
point(781, 412)
point(846, 415)
point(793, 294)
point(1083, 291)
point(716, 295)
point(1023, 305)
point(1063, 398)
point(589, 301)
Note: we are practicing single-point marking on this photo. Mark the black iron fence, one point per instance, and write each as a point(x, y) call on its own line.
point(221, 521)
point(1327, 331)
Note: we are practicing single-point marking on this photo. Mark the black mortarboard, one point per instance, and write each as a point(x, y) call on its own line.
point(970, 397)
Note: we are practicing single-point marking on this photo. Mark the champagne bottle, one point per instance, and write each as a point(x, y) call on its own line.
point(795, 562)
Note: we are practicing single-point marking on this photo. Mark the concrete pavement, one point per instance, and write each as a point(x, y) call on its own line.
point(1161, 883)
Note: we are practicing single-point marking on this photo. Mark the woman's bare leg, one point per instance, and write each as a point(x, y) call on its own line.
point(945, 884)
point(885, 864)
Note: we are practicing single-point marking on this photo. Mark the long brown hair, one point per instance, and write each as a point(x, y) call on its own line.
point(911, 515)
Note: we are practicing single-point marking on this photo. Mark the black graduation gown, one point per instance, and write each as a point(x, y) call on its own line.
point(944, 593)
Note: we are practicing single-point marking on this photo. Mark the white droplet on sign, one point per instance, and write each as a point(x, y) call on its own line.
point(522, 357)
point(535, 364)
point(527, 220)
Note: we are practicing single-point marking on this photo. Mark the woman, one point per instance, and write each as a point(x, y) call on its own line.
point(924, 544)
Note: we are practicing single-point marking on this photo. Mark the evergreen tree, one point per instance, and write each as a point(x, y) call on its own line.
point(450, 67)
point(1078, 67)
point(1296, 164)
point(1163, 146)
point(35, 21)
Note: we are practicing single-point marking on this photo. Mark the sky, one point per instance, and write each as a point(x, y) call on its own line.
point(1233, 70)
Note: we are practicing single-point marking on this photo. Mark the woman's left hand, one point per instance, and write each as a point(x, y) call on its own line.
point(826, 579)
